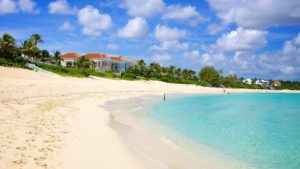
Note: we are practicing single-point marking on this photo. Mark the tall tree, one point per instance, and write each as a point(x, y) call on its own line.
point(83, 62)
point(210, 75)
point(93, 64)
point(36, 38)
point(186, 74)
point(141, 67)
point(57, 57)
point(171, 70)
point(45, 54)
point(155, 69)
point(7, 45)
point(29, 49)
point(192, 75)
point(177, 73)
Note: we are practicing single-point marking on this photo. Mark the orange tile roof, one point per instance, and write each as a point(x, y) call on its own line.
point(118, 58)
point(96, 55)
point(70, 55)
point(277, 82)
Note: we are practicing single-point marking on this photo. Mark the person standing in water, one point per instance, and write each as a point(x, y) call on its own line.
point(164, 96)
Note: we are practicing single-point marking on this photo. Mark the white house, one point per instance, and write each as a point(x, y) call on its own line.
point(276, 83)
point(69, 57)
point(247, 81)
point(104, 62)
point(261, 82)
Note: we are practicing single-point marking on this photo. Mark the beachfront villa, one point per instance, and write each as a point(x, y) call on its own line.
point(276, 83)
point(116, 64)
point(264, 83)
point(69, 58)
point(247, 81)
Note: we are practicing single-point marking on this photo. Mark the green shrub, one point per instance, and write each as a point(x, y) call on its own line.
point(15, 62)
point(75, 72)
point(128, 76)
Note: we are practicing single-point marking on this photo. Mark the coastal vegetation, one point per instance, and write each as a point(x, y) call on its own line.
point(208, 76)
point(289, 85)
point(73, 71)
point(14, 55)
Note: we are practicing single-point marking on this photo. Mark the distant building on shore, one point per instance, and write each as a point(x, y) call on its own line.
point(247, 81)
point(276, 83)
point(264, 83)
point(116, 64)
point(69, 58)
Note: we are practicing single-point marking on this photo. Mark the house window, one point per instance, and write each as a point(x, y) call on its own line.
point(104, 63)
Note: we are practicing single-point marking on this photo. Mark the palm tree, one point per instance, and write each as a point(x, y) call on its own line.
point(164, 70)
point(185, 74)
point(155, 69)
point(141, 67)
point(28, 48)
point(7, 45)
point(56, 57)
point(177, 73)
point(192, 74)
point(93, 64)
point(83, 62)
point(36, 38)
point(171, 70)
point(45, 54)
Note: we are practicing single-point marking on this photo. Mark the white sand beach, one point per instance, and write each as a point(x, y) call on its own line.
point(55, 122)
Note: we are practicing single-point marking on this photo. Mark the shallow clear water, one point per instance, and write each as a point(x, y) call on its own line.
point(259, 129)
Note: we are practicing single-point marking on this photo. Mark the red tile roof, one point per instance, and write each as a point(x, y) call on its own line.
point(96, 55)
point(277, 83)
point(118, 58)
point(70, 55)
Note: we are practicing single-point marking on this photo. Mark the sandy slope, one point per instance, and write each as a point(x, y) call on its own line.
point(56, 122)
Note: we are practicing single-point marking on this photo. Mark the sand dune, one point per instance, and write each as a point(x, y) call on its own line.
point(58, 122)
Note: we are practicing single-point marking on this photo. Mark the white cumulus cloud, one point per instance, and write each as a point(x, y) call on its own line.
point(93, 21)
point(66, 26)
point(136, 28)
point(257, 13)
point(215, 28)
point(143, 8)
point(164, 33)
point(61, 7)
point(7, 7)
point(297, 39)
point(170, 46)
point(178, 12)
point(159, 58)
point(11, 6)
point(287, 69)
point(242, 39)
point(28, 6)
point(112, 46)
point(192, 55)
point(280, 64)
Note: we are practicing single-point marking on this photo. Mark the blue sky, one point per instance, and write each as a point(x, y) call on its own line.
point(250, 38)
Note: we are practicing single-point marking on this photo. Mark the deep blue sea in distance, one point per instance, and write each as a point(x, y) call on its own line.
point(259, 129)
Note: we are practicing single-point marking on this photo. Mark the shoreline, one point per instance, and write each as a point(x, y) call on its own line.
point(168, 150)
point(58, 122)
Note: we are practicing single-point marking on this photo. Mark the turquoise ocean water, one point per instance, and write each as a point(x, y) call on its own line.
point(259, 129)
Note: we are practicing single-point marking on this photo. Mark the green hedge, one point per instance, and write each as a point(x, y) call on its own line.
point(17, 62)
point(74, 72)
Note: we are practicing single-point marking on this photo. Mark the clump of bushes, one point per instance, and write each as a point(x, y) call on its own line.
point(75, 72)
